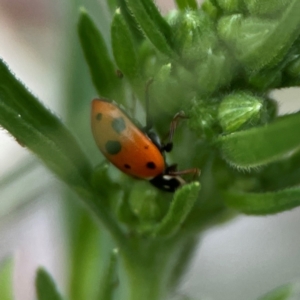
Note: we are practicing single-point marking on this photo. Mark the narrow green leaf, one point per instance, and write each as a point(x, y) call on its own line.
point(21, 107)
point(101, 67)
point(38, 129)
point(263, 203)
point(123, 47)
point(282, 293)
point(42, 146)
point(45, 286)
point(183, 201)
point(262, 145)
point(43, 133)
point(130, 21)
point(59, 163)
point(153, 24)
point(6, 279)
point(186, 4)
point(108, 284)
point(157, 19)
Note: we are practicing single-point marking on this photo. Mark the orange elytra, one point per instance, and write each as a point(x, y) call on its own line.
point(123, 143)
point(136, 151)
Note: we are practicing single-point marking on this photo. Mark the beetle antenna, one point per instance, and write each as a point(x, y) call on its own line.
point(169, 145)
point(149, 123)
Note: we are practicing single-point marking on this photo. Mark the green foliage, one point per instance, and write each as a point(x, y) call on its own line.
point(36, 128)
point(282, 293)
point(263, 203)
point(261, 43)
point(6, 279)
point(231, 6)
point(153, 25)
point(96, 53)
point(238, 109)
point(268, 143)
point(261, 8)
point(124, 50)
point(186, 4)
point(218, 63)
point(45, 286)
point(182, 204)
point(108, 285)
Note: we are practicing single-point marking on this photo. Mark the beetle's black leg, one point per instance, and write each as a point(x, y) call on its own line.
point(171, 168)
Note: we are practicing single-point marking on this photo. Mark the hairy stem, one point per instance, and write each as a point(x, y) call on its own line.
point(148, 267)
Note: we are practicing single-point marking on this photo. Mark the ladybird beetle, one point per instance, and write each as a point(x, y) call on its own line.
point(135, 151)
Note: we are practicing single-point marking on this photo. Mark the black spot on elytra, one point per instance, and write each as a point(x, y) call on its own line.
point(98, 116)
point(118, 124)
point(146, 147)
point(127, 166)
point(151, 165)
point(113, 147)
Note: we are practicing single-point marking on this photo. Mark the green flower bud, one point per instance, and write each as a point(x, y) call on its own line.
point(164, 87)
point(247, 38)
point(268, 8)
point(194, 35)
point(198, 45)
point(231, 6)
point(148, 59)
point(243, 31)
point(203, 117)
point(186, 78)
point(168, 92)
point(215, 71)
point(100, 178)
point(238, 109)
point(143, 202)
point(125, 215)
point(229, 28)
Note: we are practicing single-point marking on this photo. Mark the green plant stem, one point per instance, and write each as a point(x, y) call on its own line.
point(148, 267)
point(144, 283)
point(105, 216)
